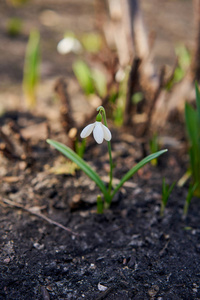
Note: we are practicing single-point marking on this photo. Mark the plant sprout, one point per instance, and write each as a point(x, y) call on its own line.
point(190, 194)
point(166, 191)
point(192, 118)
point(92, 42)
point(183, 63)
point(154, 147)
point(91, 80)
point(101, 132)
point(120, 101)
point(31, 68)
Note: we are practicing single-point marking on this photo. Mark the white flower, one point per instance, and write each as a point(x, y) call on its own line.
point(100, 132)
point(69, 44)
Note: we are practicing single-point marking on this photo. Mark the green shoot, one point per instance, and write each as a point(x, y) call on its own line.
point(90, 80)
point(190, 194)
point(154, 147)
point(166, 191)
point(91, 42)
point(121, 100)
point(101, 132)
point(183, 63)
point(192, 119)
point(84, 76)
point(31, 68)
point(99, 81)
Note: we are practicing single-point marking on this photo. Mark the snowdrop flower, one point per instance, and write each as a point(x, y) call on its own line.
point(69, 44)
point(100, 131)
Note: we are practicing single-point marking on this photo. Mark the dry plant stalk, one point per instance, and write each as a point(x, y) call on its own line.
point(132, 42)
point(35, 212)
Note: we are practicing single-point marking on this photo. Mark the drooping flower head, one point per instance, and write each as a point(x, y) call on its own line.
point(100, 131)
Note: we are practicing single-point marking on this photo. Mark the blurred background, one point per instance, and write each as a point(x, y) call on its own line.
point(168, 24)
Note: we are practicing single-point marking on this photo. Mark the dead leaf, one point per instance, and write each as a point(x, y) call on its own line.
point(68, 168)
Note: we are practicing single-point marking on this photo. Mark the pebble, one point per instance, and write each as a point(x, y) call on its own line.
point(102, 287)
point(38, 246)
point(6, 260)
point(153, 290)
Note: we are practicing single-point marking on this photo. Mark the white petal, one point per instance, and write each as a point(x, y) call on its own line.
point(87, 130)
point(98, 132)
point(65, 45)
point(107, 133)
point(68, 44)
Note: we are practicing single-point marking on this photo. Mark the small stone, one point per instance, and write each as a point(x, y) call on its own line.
point(38, 246)
point(102, 287)
point(92, 266)
point(7, 260)
point(153, 290)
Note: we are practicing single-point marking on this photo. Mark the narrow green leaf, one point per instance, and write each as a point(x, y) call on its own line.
point(197, 101)
point(99, 80)
point(171, 188)
point(190, 194)
point(69, 153)
point(164, 190)
point(31, 67)
point(191, 123)
point(132, 171)
point(84, 76)
point(92, 42)
point(167, 189)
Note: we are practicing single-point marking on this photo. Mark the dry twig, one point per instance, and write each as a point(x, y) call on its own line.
point(38, 214)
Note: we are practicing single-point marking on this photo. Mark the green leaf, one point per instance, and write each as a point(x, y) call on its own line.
point(31, 67)
point(197, 101)
point(190, 194)
point(99, 80)
point(92, 42)
point(69, 153)
point(166, 191)
point(84, 76)
point(191, 123)
point(132, 171)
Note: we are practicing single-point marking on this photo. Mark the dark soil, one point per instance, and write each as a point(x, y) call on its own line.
point(130, 249)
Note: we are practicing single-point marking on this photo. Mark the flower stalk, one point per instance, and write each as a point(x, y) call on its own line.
point(103, 112)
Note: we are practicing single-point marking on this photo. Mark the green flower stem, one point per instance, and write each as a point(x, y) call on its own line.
point(102, 111)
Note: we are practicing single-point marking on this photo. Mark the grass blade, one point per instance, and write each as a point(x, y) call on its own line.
point(84, 76)
point(81, 163)
point(197, 101)
point(31, 68)
point(191, 123)
point(192, 126)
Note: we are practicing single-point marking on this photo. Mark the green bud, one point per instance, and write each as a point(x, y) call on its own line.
point(99, 117)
